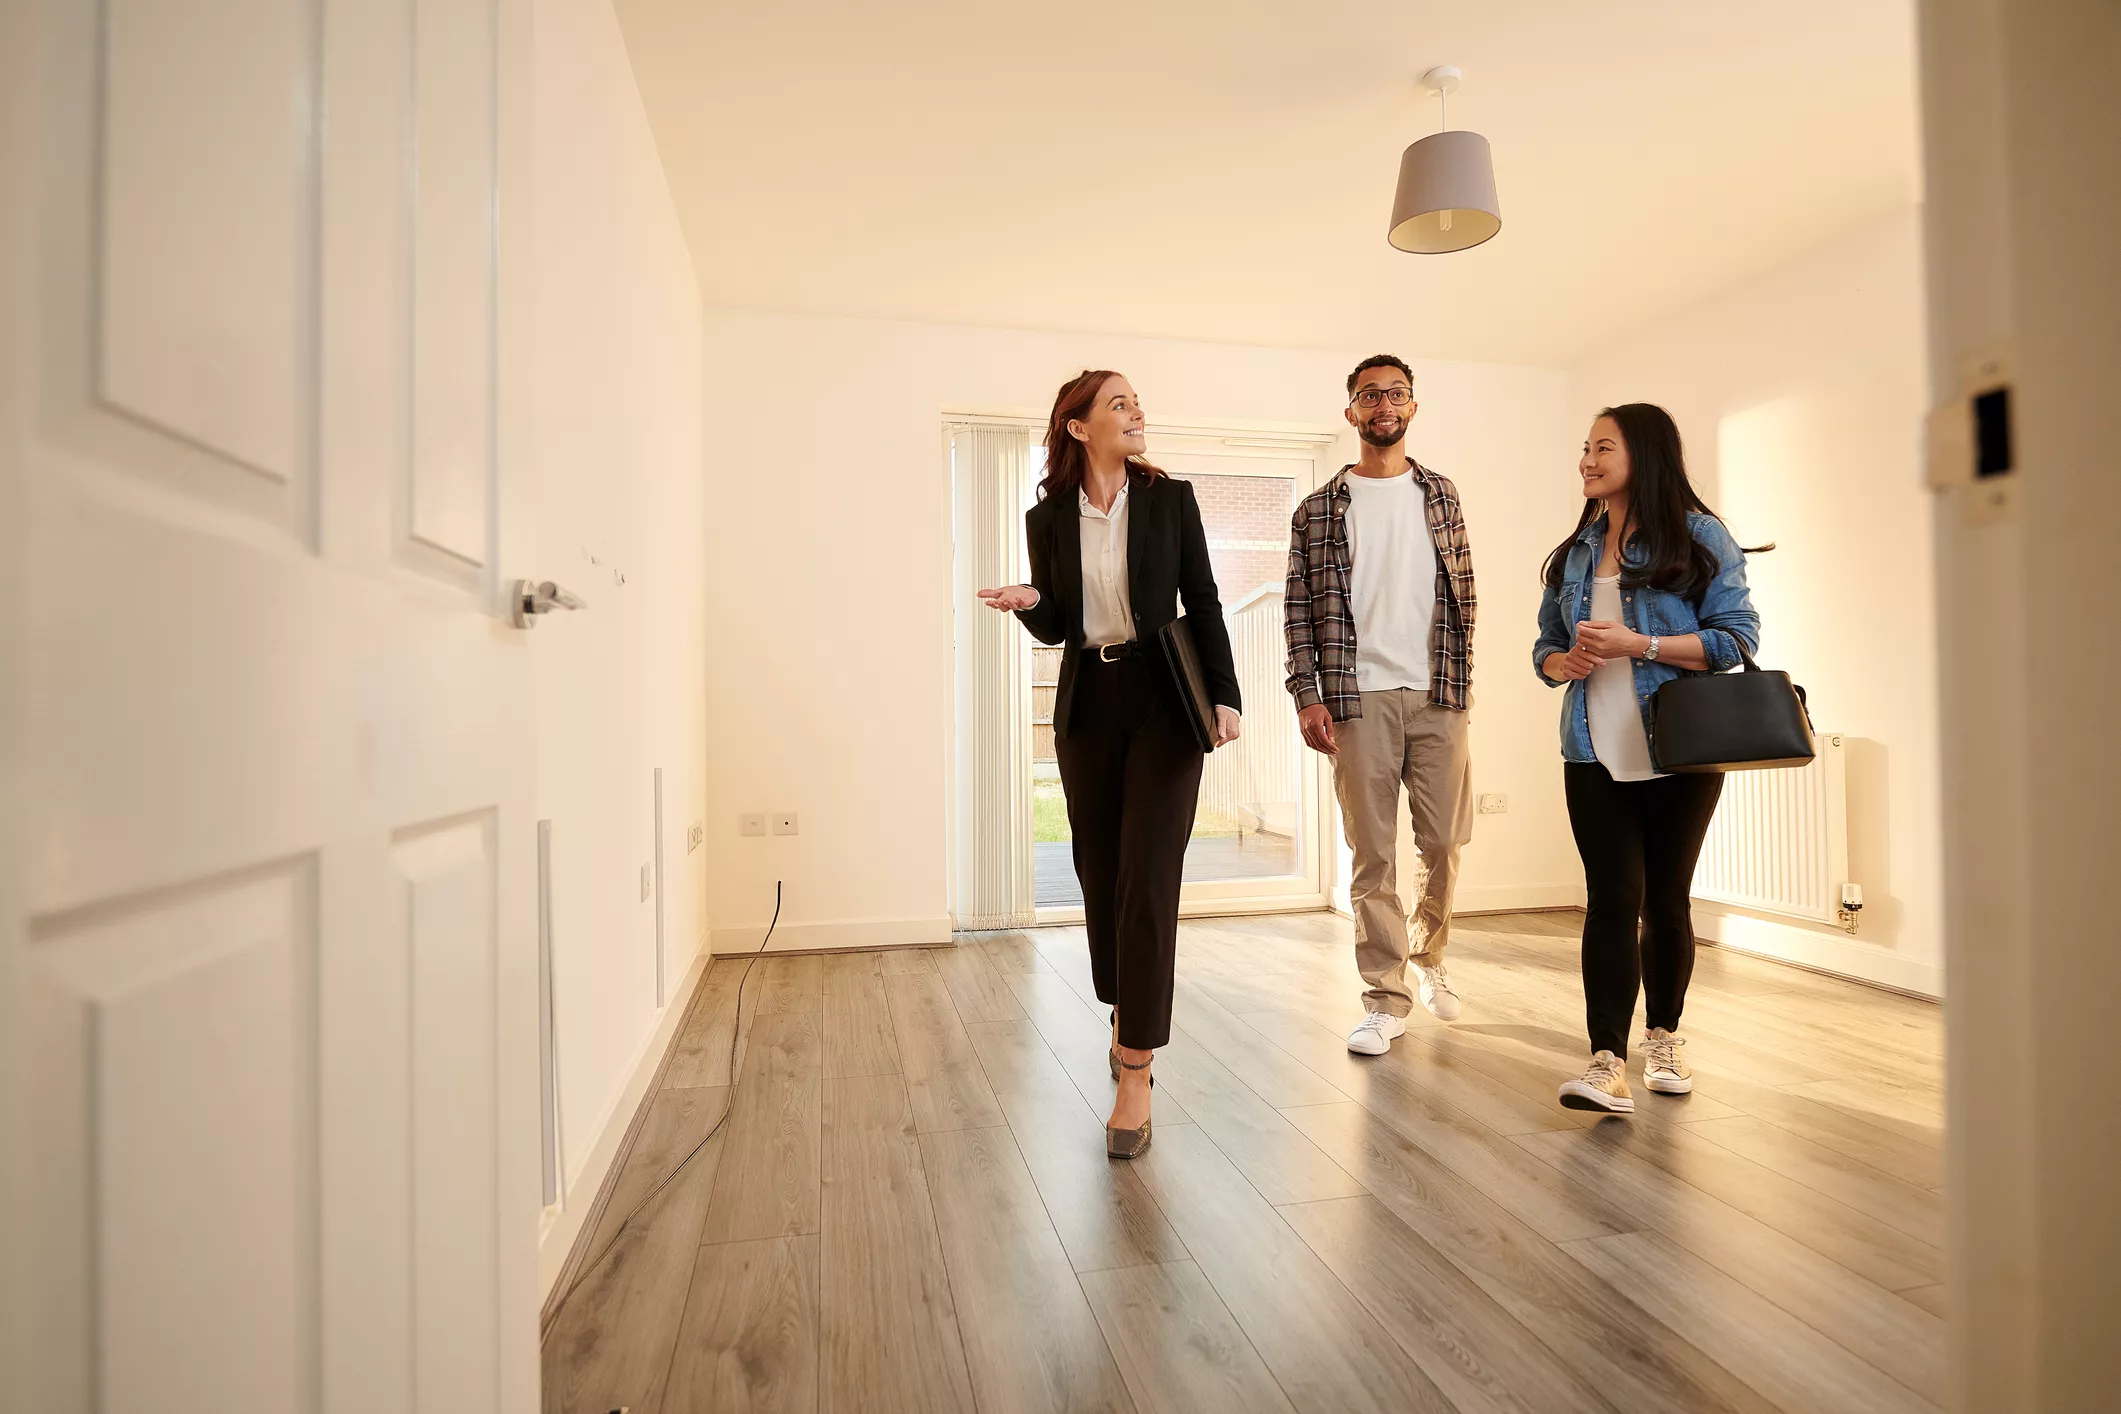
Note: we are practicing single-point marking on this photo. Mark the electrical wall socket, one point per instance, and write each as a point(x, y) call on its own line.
point(695, 837)
point(752, 825)
point(1494, 805)
point(647, 882)
point(785, 824)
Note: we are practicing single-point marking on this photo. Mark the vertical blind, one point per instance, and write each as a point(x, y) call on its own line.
point(990, 476)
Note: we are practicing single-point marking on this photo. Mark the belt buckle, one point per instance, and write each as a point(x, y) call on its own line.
point(1106, 655)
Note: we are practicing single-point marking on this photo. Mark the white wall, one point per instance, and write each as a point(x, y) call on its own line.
point(1801, 397)
point(829, 589)
point(621, 686)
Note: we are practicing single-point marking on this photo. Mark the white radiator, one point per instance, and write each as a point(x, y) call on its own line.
point(1779, 843)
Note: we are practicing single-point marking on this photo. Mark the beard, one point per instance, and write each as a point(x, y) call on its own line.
point(1383, 439)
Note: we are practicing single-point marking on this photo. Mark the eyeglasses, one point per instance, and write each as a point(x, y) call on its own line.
point(1397, 397)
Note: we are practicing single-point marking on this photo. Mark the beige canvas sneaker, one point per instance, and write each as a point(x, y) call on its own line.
point(1663, 1070)
point(1604, 1086)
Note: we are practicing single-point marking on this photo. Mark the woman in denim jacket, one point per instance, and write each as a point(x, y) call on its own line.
point(1623, 614)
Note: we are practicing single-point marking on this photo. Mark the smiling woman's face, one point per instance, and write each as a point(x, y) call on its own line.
point(1604, 467)
point(1115, 427)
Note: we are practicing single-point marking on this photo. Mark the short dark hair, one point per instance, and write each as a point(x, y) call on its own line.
point(1378, 361)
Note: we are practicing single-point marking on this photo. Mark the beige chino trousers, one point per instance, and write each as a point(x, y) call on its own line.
point(1402, 740)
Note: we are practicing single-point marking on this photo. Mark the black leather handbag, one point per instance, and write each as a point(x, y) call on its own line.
point(1745, 721)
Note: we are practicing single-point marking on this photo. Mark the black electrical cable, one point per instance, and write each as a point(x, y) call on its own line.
point(736, 1031)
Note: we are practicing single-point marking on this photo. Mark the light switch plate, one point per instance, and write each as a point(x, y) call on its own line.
point(785, 824)
point(647, 883)
point(752, 825)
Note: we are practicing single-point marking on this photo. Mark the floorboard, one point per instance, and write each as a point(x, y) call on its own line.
point(1178, 1346)
point(1482, 1358)
point(748, 1343)
point(1031, 1341)
point(1765, 1346)
point(1102, 1213)
point(908, 1205)
point(943, 1075)
point(768, 1183)
point(609, 1345)
point(887, 1329)
point(1328, 1354)
point(859, 1038)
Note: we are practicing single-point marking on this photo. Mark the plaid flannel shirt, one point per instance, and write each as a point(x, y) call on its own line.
point(1320, 624)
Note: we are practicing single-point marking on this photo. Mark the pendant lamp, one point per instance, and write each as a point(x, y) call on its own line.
point(1446, 197)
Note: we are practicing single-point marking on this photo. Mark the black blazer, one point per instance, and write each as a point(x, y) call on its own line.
point(1167, 562)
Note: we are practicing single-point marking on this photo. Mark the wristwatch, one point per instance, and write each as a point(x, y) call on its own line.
point(1649, 654)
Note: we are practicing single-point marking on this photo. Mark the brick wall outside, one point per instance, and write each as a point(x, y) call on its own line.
point(1247, 520)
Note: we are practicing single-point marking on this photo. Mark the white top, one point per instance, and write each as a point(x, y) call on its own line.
point(1617, 736)
point(1108, 614)
point(1392, 581)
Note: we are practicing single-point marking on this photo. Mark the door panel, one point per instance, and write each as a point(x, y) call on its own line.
point(450, 502)
point(174, 1051)
point(207, 226)
point(448, 895)
point(273, 913)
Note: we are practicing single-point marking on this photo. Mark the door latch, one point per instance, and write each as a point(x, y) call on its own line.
point(530, 597)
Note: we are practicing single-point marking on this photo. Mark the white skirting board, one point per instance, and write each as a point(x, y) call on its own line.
point(1516, 898)
point(1502, 898)
point(1822, 949)
point(847, 934)
point(563, 1224)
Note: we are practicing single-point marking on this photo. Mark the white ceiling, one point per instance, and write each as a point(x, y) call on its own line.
point(1223, 169)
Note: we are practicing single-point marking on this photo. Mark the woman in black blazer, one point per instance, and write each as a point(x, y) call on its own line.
point(1115, 546)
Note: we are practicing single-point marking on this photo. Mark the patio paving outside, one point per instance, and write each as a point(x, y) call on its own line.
point(1217, 857)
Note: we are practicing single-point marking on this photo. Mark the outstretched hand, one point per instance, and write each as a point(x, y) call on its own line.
point(1010, 599)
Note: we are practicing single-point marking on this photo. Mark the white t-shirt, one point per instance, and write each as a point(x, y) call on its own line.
point(1617, 736)
point(1392, 581)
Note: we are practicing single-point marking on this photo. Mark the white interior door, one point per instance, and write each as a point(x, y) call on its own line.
point(272, 997)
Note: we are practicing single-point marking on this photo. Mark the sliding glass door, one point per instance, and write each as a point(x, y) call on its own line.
point(1259, 829)
point(1261, 837)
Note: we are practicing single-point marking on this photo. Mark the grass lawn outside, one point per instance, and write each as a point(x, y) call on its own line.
point(1049, 811)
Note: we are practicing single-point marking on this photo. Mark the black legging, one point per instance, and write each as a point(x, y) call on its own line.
point(1639, 841)
point(1131, 770)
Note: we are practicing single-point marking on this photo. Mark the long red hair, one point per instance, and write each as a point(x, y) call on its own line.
point(1067, 458)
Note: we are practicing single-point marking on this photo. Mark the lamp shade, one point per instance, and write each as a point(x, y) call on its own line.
point(1446, 198)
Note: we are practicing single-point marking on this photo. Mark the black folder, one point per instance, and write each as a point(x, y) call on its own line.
point(1176, 640)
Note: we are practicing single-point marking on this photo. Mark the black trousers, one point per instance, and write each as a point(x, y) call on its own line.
point(1131, 770)
point(1639, 841)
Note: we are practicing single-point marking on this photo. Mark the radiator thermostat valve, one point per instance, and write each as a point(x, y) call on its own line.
point(1851, 905)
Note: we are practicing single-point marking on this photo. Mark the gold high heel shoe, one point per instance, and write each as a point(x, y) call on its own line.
point(1112, 1059)
point(1129, 1143)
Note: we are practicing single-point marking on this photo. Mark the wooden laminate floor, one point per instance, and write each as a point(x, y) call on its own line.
point(908, 1207)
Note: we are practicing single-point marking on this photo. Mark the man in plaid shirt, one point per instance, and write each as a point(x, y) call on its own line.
point(1379, 618)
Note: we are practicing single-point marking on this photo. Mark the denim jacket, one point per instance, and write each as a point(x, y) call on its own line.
point(1724, 617)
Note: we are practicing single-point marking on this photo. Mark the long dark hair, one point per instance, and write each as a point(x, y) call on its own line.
point(1067, 459)
point(1660, 497)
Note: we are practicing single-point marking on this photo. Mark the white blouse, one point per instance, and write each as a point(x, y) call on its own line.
point(1108, 613)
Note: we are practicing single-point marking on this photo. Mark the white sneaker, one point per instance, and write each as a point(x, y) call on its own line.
point(1436, 993)
point(1662, 1069)
point(1376, 1033)
point(1604, 1086)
